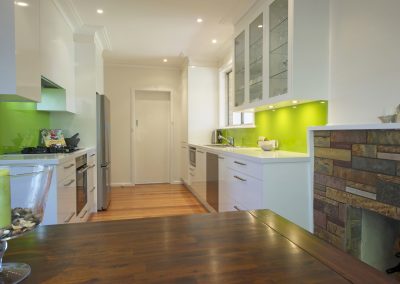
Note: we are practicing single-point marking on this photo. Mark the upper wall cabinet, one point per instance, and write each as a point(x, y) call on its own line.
point(19, 51)
point(57, 49)
point(286, 54)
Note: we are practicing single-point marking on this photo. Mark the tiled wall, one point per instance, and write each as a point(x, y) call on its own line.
point(288, 125)
point(360, 168)
point(19, 126)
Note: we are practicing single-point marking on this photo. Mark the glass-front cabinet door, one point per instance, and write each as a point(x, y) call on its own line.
point(256, 59)
point(239, 68)
point(278, 48)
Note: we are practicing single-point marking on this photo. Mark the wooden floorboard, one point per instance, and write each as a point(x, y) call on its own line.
point(143, 201)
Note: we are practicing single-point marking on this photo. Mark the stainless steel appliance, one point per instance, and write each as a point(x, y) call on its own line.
point(212, 191)
point(192, 156)
point(81, 183)
point(103, 152)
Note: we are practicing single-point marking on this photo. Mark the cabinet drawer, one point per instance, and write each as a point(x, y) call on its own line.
point(65, 169)
point(66, 200)
point(246, 190)
point(246, 167)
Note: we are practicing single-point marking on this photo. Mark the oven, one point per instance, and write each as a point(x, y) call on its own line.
point(192, 156)
point(81, 183)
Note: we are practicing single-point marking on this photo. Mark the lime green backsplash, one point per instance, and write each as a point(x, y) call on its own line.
point(288, 125)
point(19, 126)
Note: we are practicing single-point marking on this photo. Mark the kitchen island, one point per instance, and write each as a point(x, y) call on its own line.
point(232, 247)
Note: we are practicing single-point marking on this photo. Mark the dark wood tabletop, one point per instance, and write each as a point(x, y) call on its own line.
point(235, 247)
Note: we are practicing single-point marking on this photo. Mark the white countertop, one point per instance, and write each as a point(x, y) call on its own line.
point(256, 154)
point(43, 159)
point(357, 126)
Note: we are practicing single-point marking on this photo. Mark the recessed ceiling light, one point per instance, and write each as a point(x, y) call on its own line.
point(271, 106)
point(199, 20)
point(322, 102)
point(22, 4)
point(100, 11)
point(295, 102)
point(165, 60)
point(259, 26)
point(214, 41)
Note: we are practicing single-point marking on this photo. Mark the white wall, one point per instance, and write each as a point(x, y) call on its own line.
point(119, 81)
point(365, 60)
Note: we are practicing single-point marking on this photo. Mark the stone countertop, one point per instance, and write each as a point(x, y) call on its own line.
point(256, 154)
point(44, 159)
point(357, 126)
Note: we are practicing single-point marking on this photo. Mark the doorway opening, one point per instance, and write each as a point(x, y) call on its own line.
point(151, 137)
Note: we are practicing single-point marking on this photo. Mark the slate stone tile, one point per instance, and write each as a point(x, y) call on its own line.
point(323, 166)
point(349, 136)
point(342, 164)
point(389, 156)
point(335, 229)
point(389, 179)
point(331, 210)
point(330, 238)
point(318, 204)
point(341, 145)
point(319, 187)
point(334, 154)
point(388, 193)
point(355, 175)
point(384, 137)
point(325, 200)
point(322, 142)
point(398, 169)
point(342, 212)
point(364, 150)
point(322, 133)
point(320, 219)
point(336, 221)
point(360, 186)
point(374, 165)
point(389, 149)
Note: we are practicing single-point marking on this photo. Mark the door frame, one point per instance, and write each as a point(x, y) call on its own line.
point(132, 130)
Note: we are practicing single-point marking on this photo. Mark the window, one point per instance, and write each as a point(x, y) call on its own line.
point(234, 118)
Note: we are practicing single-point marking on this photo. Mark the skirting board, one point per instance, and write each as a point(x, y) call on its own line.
point(126, 184)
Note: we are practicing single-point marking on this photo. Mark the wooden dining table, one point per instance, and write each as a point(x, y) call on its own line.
point(234, 247)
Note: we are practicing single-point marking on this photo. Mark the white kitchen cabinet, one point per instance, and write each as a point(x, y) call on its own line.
point(19, 52)
point(184, 163)
point(199, 182)
point(92, 182)
point(66, 196)
point(57, 50)
point(286, 56)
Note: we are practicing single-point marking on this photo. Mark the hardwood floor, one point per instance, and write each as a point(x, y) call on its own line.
point(142, 201)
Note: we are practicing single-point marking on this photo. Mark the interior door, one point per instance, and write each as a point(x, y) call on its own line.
point(151, 137)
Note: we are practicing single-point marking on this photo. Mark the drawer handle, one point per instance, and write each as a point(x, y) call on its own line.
point(221, 158)
point(93, 188)
point(240, 163)
point(69, 217)
point(84, 214)
point(70, 182)
point(183, 147)
point(92, 166)
point(92, 155)
point(201, 152)
point(239, 178)
point(69, 166)
point(237, 208)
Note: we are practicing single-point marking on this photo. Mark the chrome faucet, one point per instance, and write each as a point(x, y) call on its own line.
point(230, 140)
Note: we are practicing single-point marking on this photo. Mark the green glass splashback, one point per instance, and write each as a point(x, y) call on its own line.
point(287, 125)
point(19, 126)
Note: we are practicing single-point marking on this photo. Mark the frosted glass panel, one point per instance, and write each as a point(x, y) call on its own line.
point(239, 69)
point(278, 48)
point(256, 58)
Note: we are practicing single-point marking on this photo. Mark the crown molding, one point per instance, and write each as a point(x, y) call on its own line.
point(75, 22)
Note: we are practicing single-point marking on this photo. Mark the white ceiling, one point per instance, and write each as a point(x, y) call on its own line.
point(146, 31)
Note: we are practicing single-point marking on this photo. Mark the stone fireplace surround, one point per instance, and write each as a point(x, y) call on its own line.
point(356, 166)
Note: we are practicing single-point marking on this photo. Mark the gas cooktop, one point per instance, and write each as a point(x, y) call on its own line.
point(48, 150)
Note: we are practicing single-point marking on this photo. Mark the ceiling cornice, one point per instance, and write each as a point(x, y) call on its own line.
point(75, 22)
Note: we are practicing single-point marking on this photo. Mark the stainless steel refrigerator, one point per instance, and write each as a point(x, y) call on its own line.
point(103, 152)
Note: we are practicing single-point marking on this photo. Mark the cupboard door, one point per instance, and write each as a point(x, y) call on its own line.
point(278, 48)
point(240, 69)
point(256, 40)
